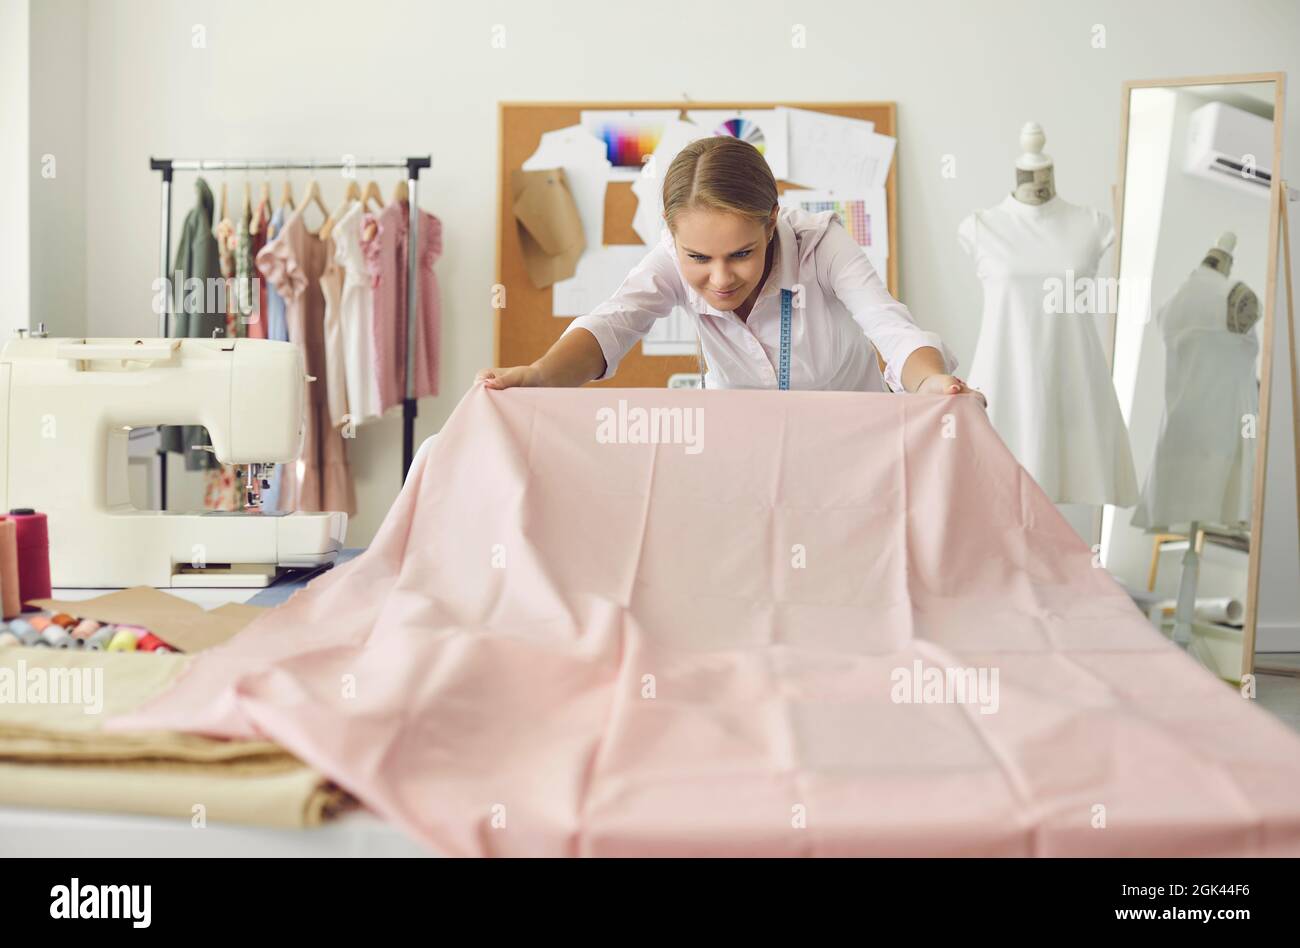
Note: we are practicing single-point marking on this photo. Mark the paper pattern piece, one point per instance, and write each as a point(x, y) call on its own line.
point(765, 129)
point(647, 220)
point(548, 225)
point(630, 136)
point(601, 271)
point(582, 156)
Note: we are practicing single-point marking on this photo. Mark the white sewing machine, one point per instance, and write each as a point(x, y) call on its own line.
point(66, 407)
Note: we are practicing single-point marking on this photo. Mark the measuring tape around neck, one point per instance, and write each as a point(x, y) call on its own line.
point(783, 366)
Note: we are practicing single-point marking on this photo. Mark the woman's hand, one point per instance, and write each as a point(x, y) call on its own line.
point(939, 384)
point(525, 376)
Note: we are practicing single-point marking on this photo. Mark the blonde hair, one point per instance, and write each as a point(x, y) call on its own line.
point(719, 173)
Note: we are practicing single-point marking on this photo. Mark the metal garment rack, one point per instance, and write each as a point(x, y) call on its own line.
point(413, 166)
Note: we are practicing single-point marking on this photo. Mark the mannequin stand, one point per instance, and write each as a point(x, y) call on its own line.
point(1185, 610)
point(1285, 196)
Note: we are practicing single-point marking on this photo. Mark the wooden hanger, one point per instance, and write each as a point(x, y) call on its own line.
point(222, 215)
point(313, 197)
point(371, 193)
point(401, 194)
point(353, 193)
point(263, 201)
point(286, 201)
point(248, 198)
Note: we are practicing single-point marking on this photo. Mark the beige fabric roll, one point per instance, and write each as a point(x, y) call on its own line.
point(54, 755)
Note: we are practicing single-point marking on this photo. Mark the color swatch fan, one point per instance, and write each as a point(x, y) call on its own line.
point(744, 129)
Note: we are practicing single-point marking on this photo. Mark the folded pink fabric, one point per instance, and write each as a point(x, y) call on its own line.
point(580, 630)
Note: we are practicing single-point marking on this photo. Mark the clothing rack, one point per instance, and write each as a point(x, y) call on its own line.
point(413, 166)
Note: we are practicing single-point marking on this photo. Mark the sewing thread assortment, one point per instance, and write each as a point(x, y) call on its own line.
point(60, 630)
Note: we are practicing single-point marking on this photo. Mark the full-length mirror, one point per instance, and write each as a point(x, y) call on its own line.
point(1197, 205)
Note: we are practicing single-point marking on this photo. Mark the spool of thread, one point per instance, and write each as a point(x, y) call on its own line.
point(99, 641)
point(65, 620)
point(33, 554)
point(123, 640)
point(56, 635)
point(8, 638)
point(21, 627)
point(85, 628)
point(148, 642)
point(39, 622)
point(11, 603)
point(33, 639)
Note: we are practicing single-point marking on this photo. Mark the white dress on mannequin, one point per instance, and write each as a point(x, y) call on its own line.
point(1044, 371)
point(1202, 468)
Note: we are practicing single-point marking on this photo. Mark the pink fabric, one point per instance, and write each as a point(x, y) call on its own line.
point(611, 648)
point(386, 262)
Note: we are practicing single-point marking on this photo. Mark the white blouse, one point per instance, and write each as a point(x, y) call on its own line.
point(843, 313)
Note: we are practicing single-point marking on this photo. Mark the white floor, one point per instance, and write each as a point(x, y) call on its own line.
point(1280, 693)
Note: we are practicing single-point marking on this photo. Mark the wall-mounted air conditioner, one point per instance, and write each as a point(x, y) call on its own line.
point(1230, 146)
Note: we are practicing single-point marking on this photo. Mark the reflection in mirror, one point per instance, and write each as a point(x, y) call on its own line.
point(1187, 359)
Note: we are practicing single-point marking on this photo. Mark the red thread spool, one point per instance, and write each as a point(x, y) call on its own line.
point(33, 555)
point(10, 596)
point(147, 642)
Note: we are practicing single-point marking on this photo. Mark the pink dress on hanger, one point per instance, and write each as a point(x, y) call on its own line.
point(386, 260)
point(293, 264)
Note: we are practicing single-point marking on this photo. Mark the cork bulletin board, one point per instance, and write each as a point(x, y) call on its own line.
point(525, 328)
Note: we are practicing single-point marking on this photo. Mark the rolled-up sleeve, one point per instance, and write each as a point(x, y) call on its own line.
point(845, 269)
point(649, 292)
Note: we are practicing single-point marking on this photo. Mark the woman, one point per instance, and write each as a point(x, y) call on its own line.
point(726, 254)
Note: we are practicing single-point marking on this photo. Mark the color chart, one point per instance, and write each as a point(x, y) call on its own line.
point(630, 138)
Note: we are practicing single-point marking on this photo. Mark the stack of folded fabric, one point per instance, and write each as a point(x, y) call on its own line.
point(54, 753)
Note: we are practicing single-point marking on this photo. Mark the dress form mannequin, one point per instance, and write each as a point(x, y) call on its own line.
point(1035, 181)
point(1241, 316)
point(1040, 360)
point(1035, 185)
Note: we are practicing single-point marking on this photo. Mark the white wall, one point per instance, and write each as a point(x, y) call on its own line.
point(330, 77)
point(57, 166)
point(15, 252)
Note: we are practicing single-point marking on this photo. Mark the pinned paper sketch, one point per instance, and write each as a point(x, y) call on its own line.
point(674, 335)
point(630, 136)
point(601, 271)
point(765, 129)
point(582, 156)
point(647, 221)
point(831, 152)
